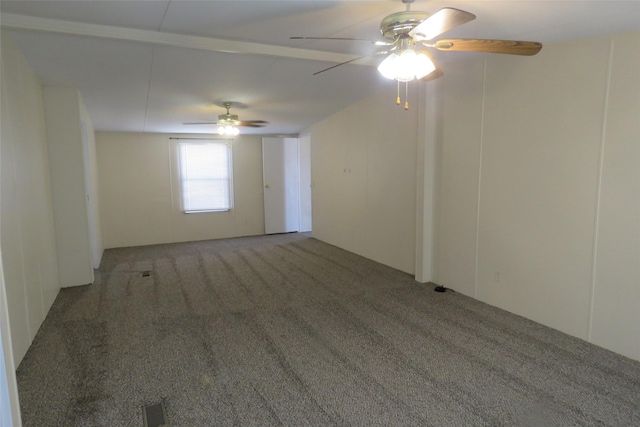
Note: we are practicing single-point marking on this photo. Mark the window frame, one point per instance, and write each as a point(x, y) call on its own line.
point(181, 178)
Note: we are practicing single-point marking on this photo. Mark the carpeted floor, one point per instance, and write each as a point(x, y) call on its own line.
point(287, 330)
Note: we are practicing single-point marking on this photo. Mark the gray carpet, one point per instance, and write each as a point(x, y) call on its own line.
point(287, 330)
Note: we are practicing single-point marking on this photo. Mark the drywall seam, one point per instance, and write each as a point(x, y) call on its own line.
point(603, 135)
point(146, 104)
point(484, 93)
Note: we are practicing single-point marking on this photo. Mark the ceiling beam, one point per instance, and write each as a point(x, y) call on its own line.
point(32, 23)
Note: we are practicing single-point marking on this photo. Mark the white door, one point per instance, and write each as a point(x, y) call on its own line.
point(281, 179)
point(304, 155)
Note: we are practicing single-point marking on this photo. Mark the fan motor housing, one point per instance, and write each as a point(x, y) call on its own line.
point(228, 117)
point(401, 23)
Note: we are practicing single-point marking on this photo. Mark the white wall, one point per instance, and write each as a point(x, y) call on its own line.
point(26, 214)
point(539, 187)
point(140, 194)
point(363, 169)
point(615, 315)
point(65, 113)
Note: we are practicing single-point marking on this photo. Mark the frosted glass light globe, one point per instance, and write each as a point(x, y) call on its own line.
point(407, 66)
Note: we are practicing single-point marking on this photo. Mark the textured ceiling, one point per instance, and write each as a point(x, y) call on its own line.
point(139, 69)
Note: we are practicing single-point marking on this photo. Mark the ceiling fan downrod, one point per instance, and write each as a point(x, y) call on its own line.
point(408, 3)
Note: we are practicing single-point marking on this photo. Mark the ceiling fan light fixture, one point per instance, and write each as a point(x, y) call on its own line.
point(387, 67)
point(227, 124)
point(228, 130)
point(407, 66)
point(423, 65)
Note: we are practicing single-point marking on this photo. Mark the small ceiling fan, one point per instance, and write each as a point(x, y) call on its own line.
point(228, 123)
point(407, 33)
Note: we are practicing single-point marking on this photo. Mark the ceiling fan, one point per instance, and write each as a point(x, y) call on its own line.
point(228, 123)
point(407, 33)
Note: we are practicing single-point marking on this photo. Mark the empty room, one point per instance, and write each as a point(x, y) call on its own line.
point(322, 212)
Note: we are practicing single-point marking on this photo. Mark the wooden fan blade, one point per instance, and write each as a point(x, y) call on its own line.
point(510, 47)
point(251, 124)
point(437, 73)
point(248, 123)
point(440, 22)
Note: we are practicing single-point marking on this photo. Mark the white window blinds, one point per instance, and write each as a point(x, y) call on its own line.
point(205, 176)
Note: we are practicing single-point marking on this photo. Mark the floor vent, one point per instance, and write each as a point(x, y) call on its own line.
point(146, 273)
point(155, 415)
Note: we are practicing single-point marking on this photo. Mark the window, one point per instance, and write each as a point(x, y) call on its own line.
point(205, 176)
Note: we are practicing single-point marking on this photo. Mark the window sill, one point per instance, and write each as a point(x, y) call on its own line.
point(207, 211)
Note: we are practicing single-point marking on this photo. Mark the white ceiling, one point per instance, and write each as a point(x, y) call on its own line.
point(139, 67)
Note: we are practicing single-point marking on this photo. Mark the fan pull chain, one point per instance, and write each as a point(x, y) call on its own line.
point(406, 95)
